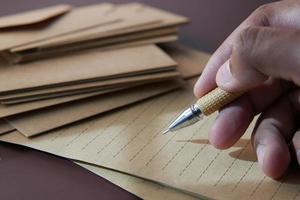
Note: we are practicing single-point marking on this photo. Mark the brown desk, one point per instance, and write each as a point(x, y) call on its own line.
point(29, 174)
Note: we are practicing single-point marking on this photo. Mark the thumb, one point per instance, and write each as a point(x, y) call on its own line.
point(260, 53)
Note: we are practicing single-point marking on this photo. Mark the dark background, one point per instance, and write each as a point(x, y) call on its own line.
point(29, 174)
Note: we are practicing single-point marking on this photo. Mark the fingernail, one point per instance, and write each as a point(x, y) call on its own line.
point(224, 75)
point(260, 152)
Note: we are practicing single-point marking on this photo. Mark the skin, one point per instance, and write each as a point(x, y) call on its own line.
point(262, 56)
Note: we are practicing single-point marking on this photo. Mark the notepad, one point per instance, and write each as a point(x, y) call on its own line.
point(131, 141)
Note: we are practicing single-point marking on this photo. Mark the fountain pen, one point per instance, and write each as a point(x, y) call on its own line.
point(206, 105)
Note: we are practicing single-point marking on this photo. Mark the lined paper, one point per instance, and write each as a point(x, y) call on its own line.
point(143, 188)
point(131, 140)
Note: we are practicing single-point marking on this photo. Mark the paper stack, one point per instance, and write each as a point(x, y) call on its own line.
point(61, 64)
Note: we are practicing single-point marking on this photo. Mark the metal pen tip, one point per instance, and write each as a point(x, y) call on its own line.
point(187, 118)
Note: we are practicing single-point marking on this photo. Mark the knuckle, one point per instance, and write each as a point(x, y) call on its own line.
point(246, 41)
point(263, 14)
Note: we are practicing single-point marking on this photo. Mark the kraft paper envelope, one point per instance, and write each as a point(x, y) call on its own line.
point(190, 63)
point(64, 24)
point(148, 37)
point(5, 127)
point(157, 40)
point(94, 86)
point(188, 57)
point(192, 59)
point(37, 122)
point(136, 17)
point(189, 70)
point(8, 110)
point(87, 65)
point(33, 17)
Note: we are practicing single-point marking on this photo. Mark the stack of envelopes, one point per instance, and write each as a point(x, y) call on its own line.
point(61, 64)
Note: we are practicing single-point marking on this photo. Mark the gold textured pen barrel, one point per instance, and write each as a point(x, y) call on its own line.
point(215, 100)
point(206, 105)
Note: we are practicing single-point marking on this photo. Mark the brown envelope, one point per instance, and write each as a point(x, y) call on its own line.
point(33, 17)
point(9, 110)
point(146, 37)
point(5, 127)
point(73, 68)
point(67, 23)
point(156, 40)
point(135, 17)
point(193, 60)
point(52, 118)
point(89, 87)
point(191, 68)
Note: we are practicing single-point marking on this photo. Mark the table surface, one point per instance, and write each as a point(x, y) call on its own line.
point(30, 174)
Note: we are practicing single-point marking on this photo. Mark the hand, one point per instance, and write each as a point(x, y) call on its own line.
point(261, 56)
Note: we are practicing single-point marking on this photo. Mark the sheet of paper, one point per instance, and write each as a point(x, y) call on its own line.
point(143, 188)
point(131, 140)
point(89, 86)
point(73, 68)
point(36, 122)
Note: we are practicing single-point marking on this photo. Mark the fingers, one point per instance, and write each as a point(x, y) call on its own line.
point(274, 128)
point(260, 53)
point(283, 14)
point(235, 118)
point(231, 123)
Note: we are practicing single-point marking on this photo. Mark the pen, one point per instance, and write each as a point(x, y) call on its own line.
point(206, 105)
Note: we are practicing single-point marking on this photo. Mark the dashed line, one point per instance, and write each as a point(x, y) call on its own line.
point(95, 138)
point(242, 177)
point(277, 189)
point(182, 147)
point(119, 133)
point(193, 159)
point(151, 140)
point(156, 154)
point(208, 166)
point(231, 164)
point(78, 135)
point(257, 186)
point(141, 131)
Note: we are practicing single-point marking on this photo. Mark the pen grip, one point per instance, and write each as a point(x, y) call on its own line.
point(215, 100)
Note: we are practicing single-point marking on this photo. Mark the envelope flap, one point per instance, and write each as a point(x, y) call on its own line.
point(33, 17)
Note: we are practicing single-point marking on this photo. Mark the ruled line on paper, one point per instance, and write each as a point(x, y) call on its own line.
point(208, 166)
point(102, 131)
point(181, 148)
point(243, 176)
point(144, 127)
point(257, 186)
point(193, 159)
point(232, 163)
point(123, 130)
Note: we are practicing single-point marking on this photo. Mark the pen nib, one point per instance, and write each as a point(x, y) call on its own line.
point(166, 131)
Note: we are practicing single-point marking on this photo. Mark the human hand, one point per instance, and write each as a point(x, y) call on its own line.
point(261, 56)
